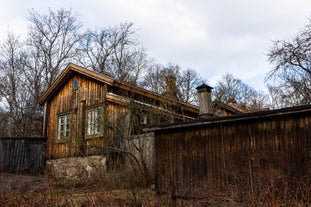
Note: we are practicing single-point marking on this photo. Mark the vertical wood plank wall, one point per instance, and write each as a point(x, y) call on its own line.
point(22, 155)
point(189, 160)
point(68, 100)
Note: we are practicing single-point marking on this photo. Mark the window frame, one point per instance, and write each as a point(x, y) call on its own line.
point(143, 119)
point(94, 122)
point(66, 127)
point(75, 84)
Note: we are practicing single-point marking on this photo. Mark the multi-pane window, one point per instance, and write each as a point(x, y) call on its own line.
point(63, 126)
point(94, 121)
point(143, 119)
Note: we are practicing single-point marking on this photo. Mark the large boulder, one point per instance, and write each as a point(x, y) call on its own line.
point(76, 169)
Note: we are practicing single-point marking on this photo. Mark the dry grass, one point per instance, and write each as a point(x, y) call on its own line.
point(109, 189)
point(128, 188)
point(112, 190)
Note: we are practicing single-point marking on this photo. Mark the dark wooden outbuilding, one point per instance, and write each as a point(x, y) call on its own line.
point(234, 153)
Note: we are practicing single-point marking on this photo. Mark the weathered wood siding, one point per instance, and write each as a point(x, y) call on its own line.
point(75, 102)
point(191, 159)
point(142, 148)
point(22, 155)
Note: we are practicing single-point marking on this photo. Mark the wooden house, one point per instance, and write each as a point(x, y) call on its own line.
point(86, 111)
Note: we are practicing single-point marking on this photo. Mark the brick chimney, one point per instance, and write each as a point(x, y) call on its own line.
point(171, 89)
point(205, 101)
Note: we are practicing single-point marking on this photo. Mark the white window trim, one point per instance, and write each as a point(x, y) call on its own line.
point(63, 132)
point(94, 123)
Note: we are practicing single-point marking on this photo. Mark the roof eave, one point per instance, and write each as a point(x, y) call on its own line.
point(73, 68)
point(155, 96)
point(234, 118)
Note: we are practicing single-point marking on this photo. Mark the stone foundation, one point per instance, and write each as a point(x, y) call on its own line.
point(76, 169)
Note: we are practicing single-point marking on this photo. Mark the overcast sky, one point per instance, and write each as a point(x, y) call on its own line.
point(213, 37)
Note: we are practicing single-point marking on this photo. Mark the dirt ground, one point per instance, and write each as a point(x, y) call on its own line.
point(22, 190)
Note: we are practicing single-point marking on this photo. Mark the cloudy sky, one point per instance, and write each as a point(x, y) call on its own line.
point(213, 37)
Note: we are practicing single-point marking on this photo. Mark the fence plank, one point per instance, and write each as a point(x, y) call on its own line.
point(22, 155)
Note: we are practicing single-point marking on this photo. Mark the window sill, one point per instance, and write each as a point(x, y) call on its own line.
point(62, 140)
point(93, 136)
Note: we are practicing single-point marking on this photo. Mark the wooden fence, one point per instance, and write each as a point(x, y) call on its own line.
point(241, 151)
point(22, 155)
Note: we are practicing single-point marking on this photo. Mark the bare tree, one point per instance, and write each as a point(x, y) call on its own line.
point(51, 43)
point(290, 80)
point(185, 81)
point(156, 79)
point(28, 69)
point(16, 100)
point(52, 39)
point(114, 51)
point(231, 88)
point(153, 79)
point(4, 120)
point(95, 49)
point(189, 80)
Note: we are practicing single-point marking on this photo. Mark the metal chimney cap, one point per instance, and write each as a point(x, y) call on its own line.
point(204, 88)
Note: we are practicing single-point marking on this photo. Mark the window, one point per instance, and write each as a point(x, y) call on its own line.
point(63, 126)
point(94, 121)
point(143, 119)
point(75, 84)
